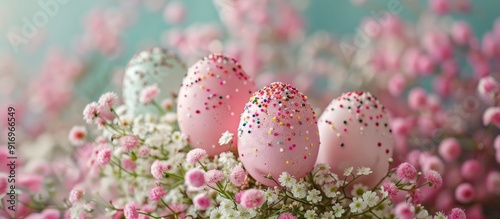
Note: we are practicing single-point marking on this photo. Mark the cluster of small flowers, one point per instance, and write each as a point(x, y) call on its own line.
point(144, 168)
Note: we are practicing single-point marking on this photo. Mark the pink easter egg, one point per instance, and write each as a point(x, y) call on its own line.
point(278, 133)
point(355, 132)
point(211, 98)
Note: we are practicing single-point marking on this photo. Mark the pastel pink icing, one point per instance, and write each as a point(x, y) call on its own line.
point(278, 133)
point(354, 131)
point(210, 101)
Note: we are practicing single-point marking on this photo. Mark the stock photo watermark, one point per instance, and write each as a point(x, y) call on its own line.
point(30, 25)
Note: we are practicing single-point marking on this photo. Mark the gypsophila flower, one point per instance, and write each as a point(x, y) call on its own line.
point(391, 189)
point(357, 205)
point(328, 215)
point(252, 198)
point(103, 156)
point(406, 172)
point(404, 211)
point(77, 134)
point(299, 190)
point(338, 209)
point(157, 193)
point(195, 178)
point(270, 195)
point(457, 213)
point(286, 180)
point(310, 214)
point(128, 142)
point(130, 211)
point(314, 196)
point(193, 156)
point(107, 100)
point(231, 213)
point(238, 176)
point(158, 168)
point(358, 189)
point(215, 214)
point(75, 195)
point(148, 94)
point(201, 201)
point(213, 176)
point(422, 214)
point(440, 215)
point(246, 212)
point(348, 171)
point(370, 198)
point(433, 177)
point(364, 171)
point(90, 112)
point(226, 138)
point(287, 215)
point(330, 190)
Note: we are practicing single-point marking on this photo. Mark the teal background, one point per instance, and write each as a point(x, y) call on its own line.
point(338, 17)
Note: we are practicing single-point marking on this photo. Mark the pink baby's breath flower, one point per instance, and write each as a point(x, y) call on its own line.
point(75, 195)
point(416, 196)
point(433, 177)
point(130, 211)
point(158, 168)
point(157, 193)
point(149, 94)
point(193, 156)
point(493, 182)
point(406, 172)
point(492, 116)
point(201, 201)
point(287, 215)
point(391, 189)
point(143, 151)
point(417, 98)
point(107, 100)
point(238, 176)
point(471, 169)
point(213, 176)
point(195, 178)
point(103, 156)
point(128, 164)
point(404, 211)
point(237, 196)
point(457, 213)
point(90, 112)
point(461, 32)
point(129, 142)
point(252, 198)
point(465, 193)
point(450, 149)
point(50, 214)
point(77, 134)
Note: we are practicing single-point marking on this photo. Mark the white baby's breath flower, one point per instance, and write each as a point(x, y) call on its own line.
point(440, 215)
point(358, 189)
point(338, 209)
point(299, 190)
point(270, 195)
point(348, 171)
point(226, 138)
point(314, 196)
point(357, 205)
point(422, 214)
point(215, 214)
point(246, 212)
point(330, 190)
point(328, 215)
point(286, 180)
point(230, 213)
point(310, 214)
point(370, 198)
point(364, 171)
point(225, 205)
